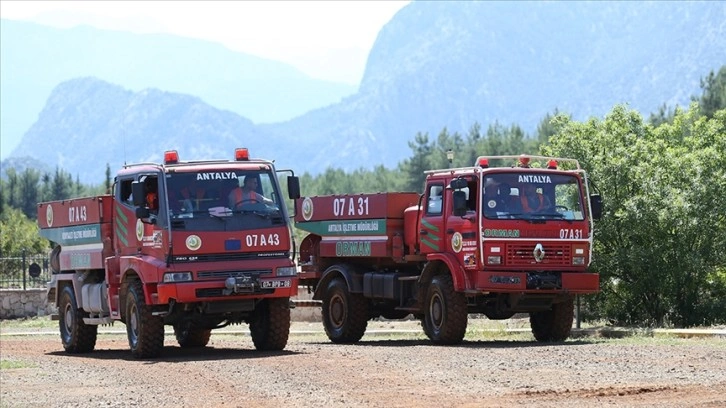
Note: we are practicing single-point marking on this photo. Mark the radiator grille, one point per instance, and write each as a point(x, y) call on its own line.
point(233, 274)
point(523, 255)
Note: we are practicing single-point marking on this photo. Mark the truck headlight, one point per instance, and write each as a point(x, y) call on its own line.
point(287, 271)
point(177, 277)
point(494, 260)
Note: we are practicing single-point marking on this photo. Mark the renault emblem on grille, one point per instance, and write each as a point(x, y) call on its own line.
point(539, 253)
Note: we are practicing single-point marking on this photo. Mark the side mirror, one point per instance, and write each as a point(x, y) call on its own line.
point(458, 183)
point(459, 203)
point(596, 206)
point(141, 212)
point(293, 187)
point(139, 194)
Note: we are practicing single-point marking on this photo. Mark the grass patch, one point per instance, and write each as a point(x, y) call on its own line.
point(42, 322)
point(10, 364)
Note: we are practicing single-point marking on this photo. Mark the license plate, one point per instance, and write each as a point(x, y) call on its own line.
point(273, 284)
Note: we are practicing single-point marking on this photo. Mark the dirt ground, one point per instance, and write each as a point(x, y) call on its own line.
point(399, 369)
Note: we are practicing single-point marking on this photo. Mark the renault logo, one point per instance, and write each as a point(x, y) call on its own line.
point(539, 253)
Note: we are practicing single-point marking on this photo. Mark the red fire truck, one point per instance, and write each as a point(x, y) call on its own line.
point(179, 244)
point(511, 234)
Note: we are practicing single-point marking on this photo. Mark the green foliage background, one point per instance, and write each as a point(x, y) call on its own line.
point(660, 247)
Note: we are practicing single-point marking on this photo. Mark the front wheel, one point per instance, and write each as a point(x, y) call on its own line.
point(554, 324)
point(144, 330)
point(270, 326)
point(445, 316)
point(345, 314)
point(77, 337)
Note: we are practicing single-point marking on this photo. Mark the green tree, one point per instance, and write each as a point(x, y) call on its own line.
point(17, 232)
point(421, 161)
point(714, 92)
point(661, 187)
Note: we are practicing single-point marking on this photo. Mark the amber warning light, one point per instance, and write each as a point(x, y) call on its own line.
point(171, 157)
point(241, 154)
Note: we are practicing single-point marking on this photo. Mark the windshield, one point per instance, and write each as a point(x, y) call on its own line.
point(532, 195)
point(223, 200)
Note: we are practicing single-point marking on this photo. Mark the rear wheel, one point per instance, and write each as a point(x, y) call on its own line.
point(188, 335)
point(445, 316)
point(554, 324)
point(345, 314)
point(270, 326)
point(144, 330)
point(77, 337)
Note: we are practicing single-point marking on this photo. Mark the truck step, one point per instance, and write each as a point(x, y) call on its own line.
point(97, 320)
point(55, 316)
point(307, 303)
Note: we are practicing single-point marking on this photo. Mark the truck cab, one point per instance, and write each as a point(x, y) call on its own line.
point(518, 236)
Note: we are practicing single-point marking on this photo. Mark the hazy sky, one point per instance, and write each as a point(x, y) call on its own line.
point(325, 39)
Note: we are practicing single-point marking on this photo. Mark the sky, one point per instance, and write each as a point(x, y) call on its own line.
point(328, 40)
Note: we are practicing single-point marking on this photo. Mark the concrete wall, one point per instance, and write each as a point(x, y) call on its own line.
point(18, 303)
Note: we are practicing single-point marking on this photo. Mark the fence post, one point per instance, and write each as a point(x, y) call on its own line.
point(578, 311)
point(24, 271)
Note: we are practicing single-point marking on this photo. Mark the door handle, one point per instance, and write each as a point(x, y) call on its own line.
point(450, 231)
point(423, 232)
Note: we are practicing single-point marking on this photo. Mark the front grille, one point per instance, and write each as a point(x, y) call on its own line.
point(233, 274)
point(229, 257)
point(523, 255)
point(219, 292)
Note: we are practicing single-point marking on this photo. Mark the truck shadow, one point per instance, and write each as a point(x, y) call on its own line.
point(494, 344)
point(172, 354)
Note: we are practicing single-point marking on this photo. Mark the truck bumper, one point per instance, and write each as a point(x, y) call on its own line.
point(191, 292)
point(568, 282)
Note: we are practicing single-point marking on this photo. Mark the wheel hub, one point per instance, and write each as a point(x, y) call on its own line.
point(436, 311)
point(337, 311)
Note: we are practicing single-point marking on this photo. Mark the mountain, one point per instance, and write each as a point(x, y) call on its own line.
point(87, 123)
point(435, 65)
point(448, 65)
point(35, 58)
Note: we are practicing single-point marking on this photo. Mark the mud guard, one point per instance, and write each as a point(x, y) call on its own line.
point(457, 272)
point(355, 283)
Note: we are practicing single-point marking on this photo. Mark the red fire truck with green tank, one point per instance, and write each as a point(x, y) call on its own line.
point(511, 234)
point(175, 244)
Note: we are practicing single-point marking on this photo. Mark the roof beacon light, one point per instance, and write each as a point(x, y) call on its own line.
point(552, 164)
point(523, 161)
point(483, 162)
point(171, 157)
point(241, 154)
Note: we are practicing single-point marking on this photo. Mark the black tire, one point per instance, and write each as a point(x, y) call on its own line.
point(445, 314)
point(188, 335)
point(77, 337)
point(345, 314)
point(553, 325)
point(270, 326)
point(144, 330)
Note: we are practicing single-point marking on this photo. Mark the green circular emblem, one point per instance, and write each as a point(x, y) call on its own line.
point(193, 242)
point(456, 242)
point(49, 215)
point(307, 208)
point(139, 230)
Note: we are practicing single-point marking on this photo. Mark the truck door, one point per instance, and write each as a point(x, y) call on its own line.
point(431, 229)
point(461, 237)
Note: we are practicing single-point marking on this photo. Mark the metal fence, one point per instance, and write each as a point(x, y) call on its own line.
point(24, 271)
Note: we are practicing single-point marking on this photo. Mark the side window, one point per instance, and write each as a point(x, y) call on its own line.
point(435, 202)
point(124, 192)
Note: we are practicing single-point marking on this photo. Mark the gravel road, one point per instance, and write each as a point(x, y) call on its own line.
point(383, 370)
